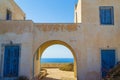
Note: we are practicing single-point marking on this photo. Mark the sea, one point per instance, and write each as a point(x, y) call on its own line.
point(57, 60)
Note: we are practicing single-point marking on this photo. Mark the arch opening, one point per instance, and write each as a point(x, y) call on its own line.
point(40, 51)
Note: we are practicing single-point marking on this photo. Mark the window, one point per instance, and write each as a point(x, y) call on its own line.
point(24, 18)
point(9, 15)
point(106, 15)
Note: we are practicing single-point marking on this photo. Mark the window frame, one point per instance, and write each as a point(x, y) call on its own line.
point(8, 15)
point(112, 15)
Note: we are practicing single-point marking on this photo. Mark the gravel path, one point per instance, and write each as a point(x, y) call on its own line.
point(56, 74)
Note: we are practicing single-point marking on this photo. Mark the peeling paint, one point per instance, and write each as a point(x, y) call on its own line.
point(56, 27)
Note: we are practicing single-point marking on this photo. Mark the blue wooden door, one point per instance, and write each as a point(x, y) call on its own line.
point(11, 61)
point(107, 60)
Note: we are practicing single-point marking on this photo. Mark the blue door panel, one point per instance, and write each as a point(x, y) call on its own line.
point(107, 60)
point(11, 61)
point(7, 62)
point(15, 61)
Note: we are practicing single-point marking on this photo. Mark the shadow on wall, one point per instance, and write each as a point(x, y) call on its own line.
point(48, 78)
point(92, 76)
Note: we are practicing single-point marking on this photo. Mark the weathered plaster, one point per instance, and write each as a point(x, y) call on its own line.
point(85, 39)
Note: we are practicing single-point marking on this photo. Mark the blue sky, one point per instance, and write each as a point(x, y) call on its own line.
point(50, 11)
point(57, 51)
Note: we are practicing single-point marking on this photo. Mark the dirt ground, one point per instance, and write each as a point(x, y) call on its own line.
point(56, 74)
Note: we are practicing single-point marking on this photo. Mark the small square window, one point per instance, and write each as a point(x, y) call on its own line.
point(106, 15)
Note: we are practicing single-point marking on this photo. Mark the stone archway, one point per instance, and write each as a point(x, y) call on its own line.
point(39, 52)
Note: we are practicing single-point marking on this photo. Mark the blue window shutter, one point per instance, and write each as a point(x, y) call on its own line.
point(102, 16)
point(106, 15)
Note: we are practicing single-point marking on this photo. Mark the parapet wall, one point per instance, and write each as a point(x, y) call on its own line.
point(86, 40)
